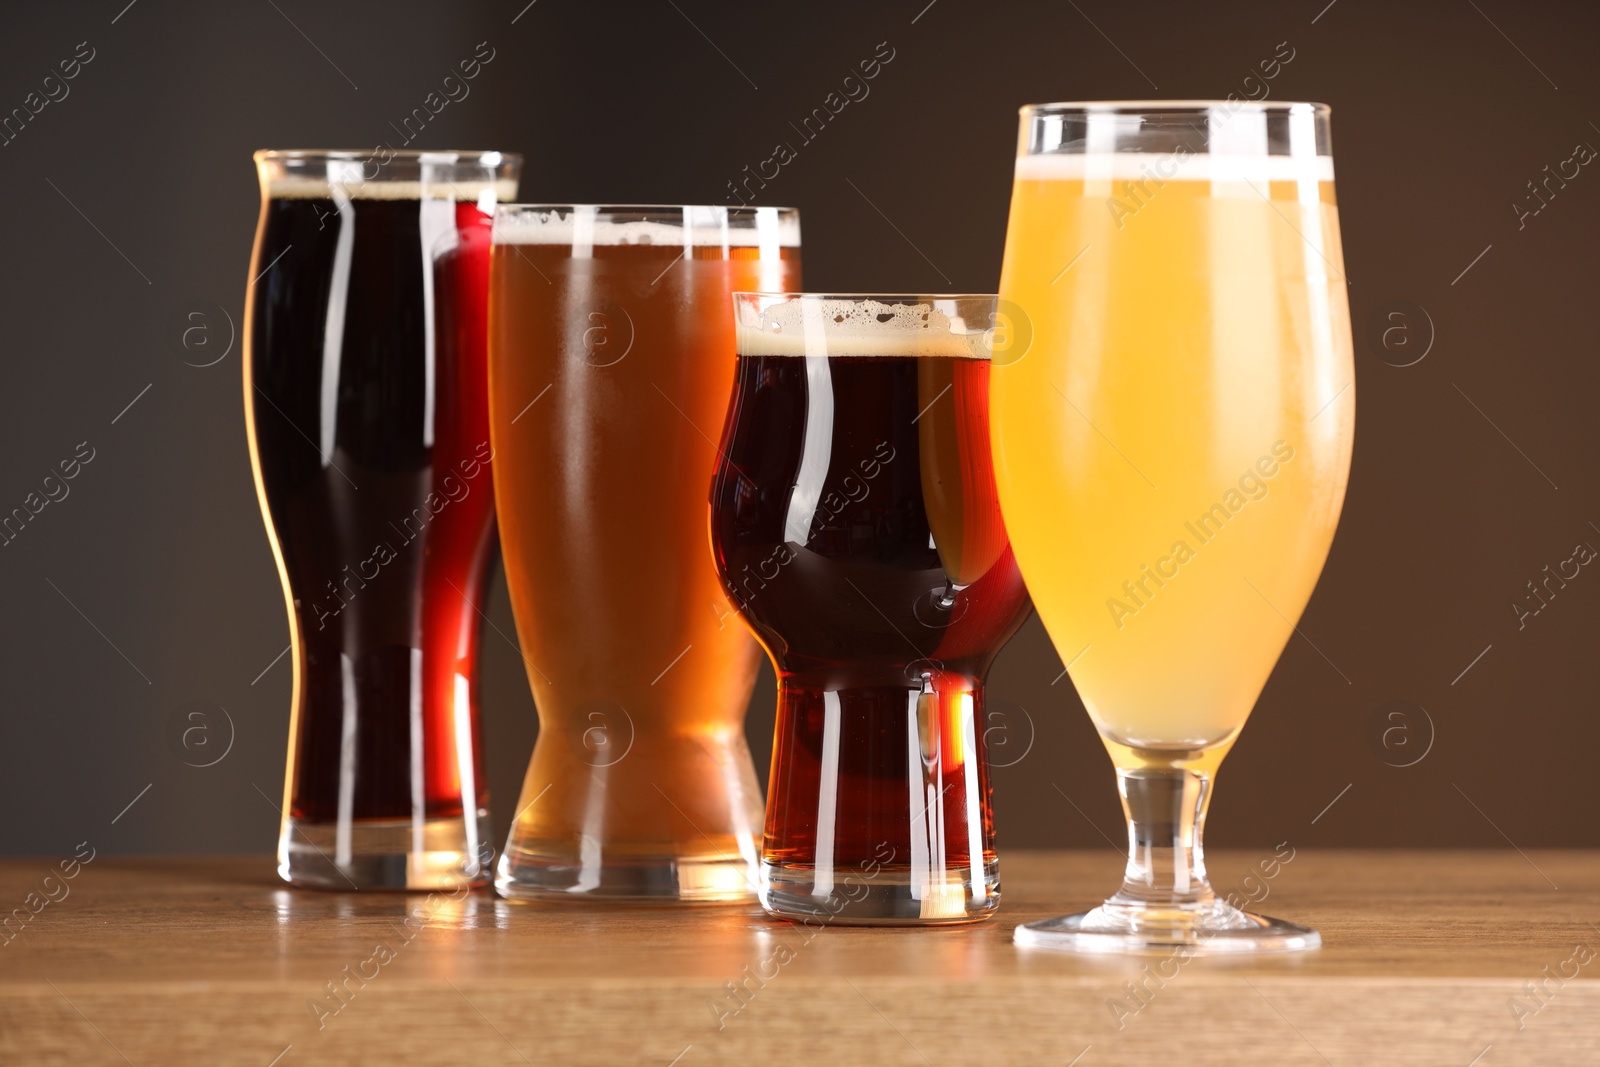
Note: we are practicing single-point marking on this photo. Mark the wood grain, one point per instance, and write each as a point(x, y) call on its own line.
point(214, 961)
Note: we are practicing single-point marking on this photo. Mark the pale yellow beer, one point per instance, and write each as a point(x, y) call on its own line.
point(1172, 446)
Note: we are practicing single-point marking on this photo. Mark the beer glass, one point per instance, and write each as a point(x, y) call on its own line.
point(611, 359)
point(857, 531)
point(367, 405)
point(1172, 453)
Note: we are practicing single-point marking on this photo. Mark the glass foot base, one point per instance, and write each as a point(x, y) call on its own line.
point(889, 897)
point(524, 875)
point(1214, 929)
point(385, 853)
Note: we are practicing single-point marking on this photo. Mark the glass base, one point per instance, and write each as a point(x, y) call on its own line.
point(525, 875)
point(889, 897)
point(385, 853)
point(1216, 928)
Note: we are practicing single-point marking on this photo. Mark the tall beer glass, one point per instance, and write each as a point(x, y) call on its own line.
point(611, 360)
point(1172, 453)
point(367, 404)
point(856, 529)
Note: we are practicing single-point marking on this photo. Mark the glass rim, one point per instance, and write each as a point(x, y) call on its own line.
point(667, 225)
point(863, 297)
point(487, 157)
point(517, 206)
point(853, 325)
point(1169, 107)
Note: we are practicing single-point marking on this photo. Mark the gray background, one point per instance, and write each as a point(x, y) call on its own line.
point(130, 205)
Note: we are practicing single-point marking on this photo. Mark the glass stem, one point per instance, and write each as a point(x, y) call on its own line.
point(1166, 810)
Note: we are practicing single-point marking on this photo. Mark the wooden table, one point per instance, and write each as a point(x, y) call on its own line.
point(1431, 957)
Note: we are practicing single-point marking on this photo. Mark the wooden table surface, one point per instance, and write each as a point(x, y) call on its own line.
point(1450, 958)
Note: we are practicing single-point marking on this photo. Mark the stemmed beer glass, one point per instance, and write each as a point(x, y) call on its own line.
point(1172, 453)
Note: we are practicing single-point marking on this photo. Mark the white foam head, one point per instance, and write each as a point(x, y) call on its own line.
point(1173, 167)
point(950, 327)
point(300, 187)
point(694, 226)
point(483, 177)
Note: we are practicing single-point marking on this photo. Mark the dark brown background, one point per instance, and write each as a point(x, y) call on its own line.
point(133, 202)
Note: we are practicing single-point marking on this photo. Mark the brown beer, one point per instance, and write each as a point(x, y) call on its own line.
point(611, 364)
point(856, 527)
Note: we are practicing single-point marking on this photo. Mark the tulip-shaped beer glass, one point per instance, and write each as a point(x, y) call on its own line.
point(857, 531)
point(1172, 453)
point(610, 363)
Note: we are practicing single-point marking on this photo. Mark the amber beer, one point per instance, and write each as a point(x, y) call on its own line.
point(611, 364)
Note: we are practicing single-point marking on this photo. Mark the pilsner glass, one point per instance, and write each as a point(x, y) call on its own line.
point(856, 529)
point(366, 399)
point(1172, 453)
point(611, 359)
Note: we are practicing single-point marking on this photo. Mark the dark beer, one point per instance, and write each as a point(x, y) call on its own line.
point(856, 529)
point(366, 390)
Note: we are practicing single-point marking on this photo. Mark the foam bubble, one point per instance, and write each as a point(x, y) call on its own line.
point(859, 327)
point(302, 188)
point(1170, 166)
point(773, 227)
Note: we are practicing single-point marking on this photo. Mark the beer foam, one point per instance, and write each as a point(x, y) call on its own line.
point(299, 187)
point(819, 326)
point(1173, 166)
point(522, 226)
